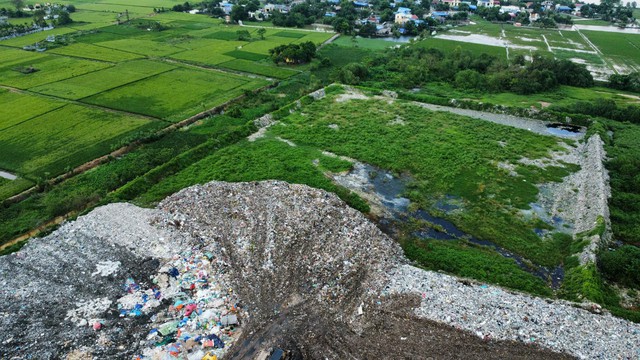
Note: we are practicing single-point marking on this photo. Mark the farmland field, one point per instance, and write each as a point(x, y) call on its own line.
point(50, 68)
point(265, 70)
point(615, 52)
point(17, 108)
point(176, 94)
point(96, 82)
point(118, 67)
point(95, 52)
point(65, 137)
point(142, 47)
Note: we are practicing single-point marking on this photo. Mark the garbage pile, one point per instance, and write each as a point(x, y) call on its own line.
point(238, 271)
point(203, 318)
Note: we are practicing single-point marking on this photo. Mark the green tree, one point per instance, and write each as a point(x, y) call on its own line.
point(238, 13)
point(261, 33)
point(64, 18)
point(367, 30)
point(38, 18)
point(18, 4)
point(243, 35)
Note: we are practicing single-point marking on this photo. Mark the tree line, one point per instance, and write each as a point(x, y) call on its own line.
point(412, 67)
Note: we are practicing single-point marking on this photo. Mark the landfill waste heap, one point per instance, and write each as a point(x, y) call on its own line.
point(266, 270)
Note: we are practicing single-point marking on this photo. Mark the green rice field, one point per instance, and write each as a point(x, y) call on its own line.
point(176, 94)
point(107, 84)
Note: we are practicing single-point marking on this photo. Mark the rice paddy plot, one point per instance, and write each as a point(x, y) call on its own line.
point(263, 46)
point(134, 10)
point(10, 57)
point(245, 55)
point(290, 34)
point(47, 69)
point(208, 52)
point(65, 137)
point(93, 17)
point(222, 35)
point(96, 82)
point(622, 49)
point(449, 45)
point(142, 47)
point(17, 108)
point(315, 37)
point(89, 51)
point(259, 69)
point(177, 94)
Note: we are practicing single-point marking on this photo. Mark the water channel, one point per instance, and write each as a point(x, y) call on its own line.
point(388, 189)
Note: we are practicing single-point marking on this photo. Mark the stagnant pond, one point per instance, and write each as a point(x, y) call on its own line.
point(387, 189)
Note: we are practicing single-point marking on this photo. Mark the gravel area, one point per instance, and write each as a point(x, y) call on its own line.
point(494, 313)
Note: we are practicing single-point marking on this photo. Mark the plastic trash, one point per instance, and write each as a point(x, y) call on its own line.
point(168, 328)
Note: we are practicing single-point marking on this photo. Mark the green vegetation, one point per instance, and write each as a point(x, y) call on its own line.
point(176, 94)
point(364, 132)
point(99, 81)
point(252, 67)
point(61, 139)
point(623, 168)
point(621, 265)
point(50, 69)
point(89, 51)
point(473, 262)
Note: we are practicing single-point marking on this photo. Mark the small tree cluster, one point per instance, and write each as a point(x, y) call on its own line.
point(293, 53)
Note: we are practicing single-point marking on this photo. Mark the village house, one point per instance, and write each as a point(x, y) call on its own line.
point(452, 3)
point(509, 9)
point(403, 15)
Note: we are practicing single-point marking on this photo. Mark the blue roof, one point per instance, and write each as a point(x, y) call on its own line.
point(563, 8)
point(360, 3)
point(440, 13)
point(333, 1)
point(403, 10)
point(473, 7)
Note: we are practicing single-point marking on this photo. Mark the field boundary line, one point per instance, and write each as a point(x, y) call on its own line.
point(219, 69)
point(33, 117)
point(595, 48)
point(80, 103)
point(122, 85)
point(128, 148)
point(90, 72)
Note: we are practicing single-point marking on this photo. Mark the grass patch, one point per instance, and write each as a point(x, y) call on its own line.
point(464, 260)
point(142, 47)
point(264, 159)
